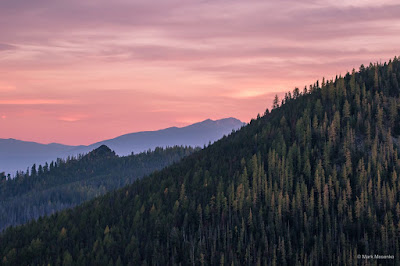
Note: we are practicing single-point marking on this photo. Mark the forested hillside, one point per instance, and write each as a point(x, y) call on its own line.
point(42, 190)
point(314, 181)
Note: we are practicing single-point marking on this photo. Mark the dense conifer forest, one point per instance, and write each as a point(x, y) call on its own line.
point(42, 190)
point(312, 182)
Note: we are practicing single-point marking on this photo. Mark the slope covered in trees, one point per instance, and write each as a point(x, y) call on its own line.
point(62, 184)
point(314, 181)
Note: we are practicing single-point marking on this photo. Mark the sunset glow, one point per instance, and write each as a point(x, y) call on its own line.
point(77, 72)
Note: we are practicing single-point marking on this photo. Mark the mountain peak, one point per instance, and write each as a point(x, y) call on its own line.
point(229, 121)
point(101, 152)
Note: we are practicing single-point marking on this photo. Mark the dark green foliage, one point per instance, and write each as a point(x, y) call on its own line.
point(68, 183)
point(313, 182)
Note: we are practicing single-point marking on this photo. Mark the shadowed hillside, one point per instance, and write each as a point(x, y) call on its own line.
point(66, 183)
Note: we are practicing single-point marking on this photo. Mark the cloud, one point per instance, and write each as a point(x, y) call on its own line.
point(5, 47)
point(136, 65)
point(130, 31)
point(31, 102)
point(247, 93)
point(69, 119)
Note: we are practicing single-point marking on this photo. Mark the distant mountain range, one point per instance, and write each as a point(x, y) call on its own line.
point(17, 155)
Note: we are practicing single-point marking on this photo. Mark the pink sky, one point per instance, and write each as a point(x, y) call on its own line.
point(77, 72)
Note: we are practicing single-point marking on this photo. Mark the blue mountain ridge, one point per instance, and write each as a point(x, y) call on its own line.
point(18, 155)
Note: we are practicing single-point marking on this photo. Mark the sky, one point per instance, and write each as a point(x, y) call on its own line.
point(77, 72)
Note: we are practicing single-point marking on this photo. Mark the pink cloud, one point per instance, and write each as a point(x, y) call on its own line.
point(71, 118)
point(30, 102)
